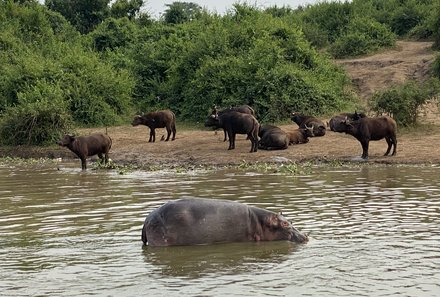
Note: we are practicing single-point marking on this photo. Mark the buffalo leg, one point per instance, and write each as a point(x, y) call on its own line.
point(168, 133)
point(83, 163)
point(254, 142)
point(365, 149)
point(390, 144)
point(226, 135)
point(394, 140)
point(173, 128)
point(101, 158)
point(152, 135)
point(231, 136)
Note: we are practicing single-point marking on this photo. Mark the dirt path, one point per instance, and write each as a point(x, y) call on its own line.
point(409, 60)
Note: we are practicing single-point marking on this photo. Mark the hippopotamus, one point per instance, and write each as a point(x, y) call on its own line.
point(195, 221)
point(86, 146)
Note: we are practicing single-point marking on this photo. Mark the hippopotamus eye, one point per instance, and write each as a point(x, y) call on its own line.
point(285, 224)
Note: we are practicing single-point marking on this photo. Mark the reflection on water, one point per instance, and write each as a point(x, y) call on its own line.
point(374, 232)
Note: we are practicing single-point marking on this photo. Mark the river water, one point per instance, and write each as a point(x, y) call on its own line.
point(374, 231)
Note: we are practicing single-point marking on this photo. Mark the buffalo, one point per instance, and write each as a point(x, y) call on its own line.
point(85, 146)
point(233, 123)
point(300, 135)
point(303, 120)
point(335, 124)
point(241, 108)
point(272, 138)
point(158, 119)
point(366, 129)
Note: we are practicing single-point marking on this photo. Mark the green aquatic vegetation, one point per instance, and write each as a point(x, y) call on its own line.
point(25, 162)
point(291, 168)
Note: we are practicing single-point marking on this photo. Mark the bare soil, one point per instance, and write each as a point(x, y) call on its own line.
point(408, 60)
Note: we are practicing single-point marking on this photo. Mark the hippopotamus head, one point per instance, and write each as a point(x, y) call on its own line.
point(276, 227)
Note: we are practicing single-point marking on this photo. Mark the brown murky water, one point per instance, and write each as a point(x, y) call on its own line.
point(374, 232)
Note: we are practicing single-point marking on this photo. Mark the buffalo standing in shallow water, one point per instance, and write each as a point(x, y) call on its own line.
point(336, 123)
point(236, 123)
point(158, 119)
point(377, 128)
point(85, 146)
point(193, 221)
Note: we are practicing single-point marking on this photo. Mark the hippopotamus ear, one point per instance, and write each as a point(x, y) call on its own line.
point(272, 221)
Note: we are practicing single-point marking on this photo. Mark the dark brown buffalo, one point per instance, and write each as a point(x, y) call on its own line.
point(236, 123)
point(193, 221)
point(303, 120)
point(300, 135)
point(241, 108)
point(157, 119)
point(366, 129)
point(335, 124)
point(85, 146)
point(272, 138)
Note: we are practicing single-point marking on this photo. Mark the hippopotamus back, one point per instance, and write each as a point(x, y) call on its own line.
point(194, 221)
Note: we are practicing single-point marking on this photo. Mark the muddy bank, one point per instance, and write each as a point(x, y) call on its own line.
point(205, 148)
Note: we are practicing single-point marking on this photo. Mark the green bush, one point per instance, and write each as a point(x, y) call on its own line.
point(245, 57)
point(363, 36)
point(404, 102)
point(41, 118)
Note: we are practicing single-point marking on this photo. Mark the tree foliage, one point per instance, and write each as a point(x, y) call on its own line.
point(403, 102)
point(84, 15)
point(181, 12)
point(77, 62)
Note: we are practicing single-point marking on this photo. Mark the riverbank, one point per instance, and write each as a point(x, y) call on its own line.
point(201, 147)
point(205, 148)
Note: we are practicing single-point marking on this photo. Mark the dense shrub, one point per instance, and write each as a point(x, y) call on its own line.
point(363, 36)
point(41, 118)
point(94, 91)
point(404, 102)
point(245, 57)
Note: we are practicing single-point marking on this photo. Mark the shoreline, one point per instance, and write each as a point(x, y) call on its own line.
point(205, 149)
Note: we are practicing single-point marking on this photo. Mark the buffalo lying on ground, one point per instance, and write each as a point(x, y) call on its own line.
point(335, 124)
point(300, 135)
point(233, 123)
point(158, 119)
point(241, 108)
point(85, 146)
point(303, 120)
point(366, 129)
point(194, 221)
point(272, 138)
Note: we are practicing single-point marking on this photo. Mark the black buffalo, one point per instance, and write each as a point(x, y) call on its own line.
point(240, 108)
point(303, 120)
point(158, 119)
point(85, 146)
point(272, 138)
point(233, 123)
point(335, 124)
point(300, 135)
point(366, 129)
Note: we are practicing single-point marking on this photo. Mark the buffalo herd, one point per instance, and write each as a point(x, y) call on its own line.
point(242, 120)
